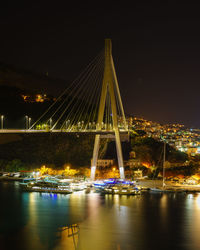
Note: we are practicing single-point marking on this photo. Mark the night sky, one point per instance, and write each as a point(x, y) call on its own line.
point(156, 49)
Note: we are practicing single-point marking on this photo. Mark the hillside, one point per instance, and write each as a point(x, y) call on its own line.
point(28, 81)
point(17, 83)
point(48, 148)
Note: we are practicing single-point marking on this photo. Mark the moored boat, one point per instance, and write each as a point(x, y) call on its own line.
point(117, 186)
point(58, 190)
point(160, 190)
point(122, 190)
point(167, 190)
point(50, 186)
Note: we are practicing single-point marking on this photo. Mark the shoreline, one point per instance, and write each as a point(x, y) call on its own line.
point(144, 184)
point(148, 184)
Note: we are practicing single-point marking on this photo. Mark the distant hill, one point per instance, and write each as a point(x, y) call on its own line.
point(14, 108)
point(28, 81)
point(14, 83)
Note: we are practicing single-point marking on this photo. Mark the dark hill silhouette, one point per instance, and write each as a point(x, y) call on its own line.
point(29, 81)
point(16, 82)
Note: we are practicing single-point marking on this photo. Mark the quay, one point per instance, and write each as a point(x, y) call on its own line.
point(176, 187)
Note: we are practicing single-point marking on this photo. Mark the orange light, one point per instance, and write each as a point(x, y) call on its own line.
point(39, 98)
point(145, 164)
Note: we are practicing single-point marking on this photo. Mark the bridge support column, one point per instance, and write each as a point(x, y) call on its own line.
point(119, 154)
point(95, 157)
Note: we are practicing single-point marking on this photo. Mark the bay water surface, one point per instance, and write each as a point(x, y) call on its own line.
point(98, 222)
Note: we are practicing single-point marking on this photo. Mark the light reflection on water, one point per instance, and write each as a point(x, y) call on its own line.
point(91, 221)
point(192, 214)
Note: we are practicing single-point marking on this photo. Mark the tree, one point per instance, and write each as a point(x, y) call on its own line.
point(15, 166)
point(148, 150)
point(174, 155)
point(3, 164)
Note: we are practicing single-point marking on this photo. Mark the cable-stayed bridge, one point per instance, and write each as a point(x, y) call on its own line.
point(90, 104)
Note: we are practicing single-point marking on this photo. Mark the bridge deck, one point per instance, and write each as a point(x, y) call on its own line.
point(21, 131)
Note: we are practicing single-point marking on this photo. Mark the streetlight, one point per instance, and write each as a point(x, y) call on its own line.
point(89, 125)
point(50, 122)
point(2, 117)
point(29, 122)
point(26, 117)
point(67, 122)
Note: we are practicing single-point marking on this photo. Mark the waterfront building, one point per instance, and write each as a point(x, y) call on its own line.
point(105, 162)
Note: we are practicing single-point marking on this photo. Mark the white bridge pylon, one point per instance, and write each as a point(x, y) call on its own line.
point(109, 86)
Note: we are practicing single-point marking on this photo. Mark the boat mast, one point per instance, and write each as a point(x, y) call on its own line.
point(164, 155)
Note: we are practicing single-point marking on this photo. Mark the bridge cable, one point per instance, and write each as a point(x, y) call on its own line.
point(62, 94)
point(77, 93)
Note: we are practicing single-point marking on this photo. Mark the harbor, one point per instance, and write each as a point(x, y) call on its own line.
point(62, 185)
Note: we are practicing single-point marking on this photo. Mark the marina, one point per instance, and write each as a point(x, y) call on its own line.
point(59, 184)
point(67, 186)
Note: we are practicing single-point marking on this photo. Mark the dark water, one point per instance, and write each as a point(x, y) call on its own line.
point(150, 221)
